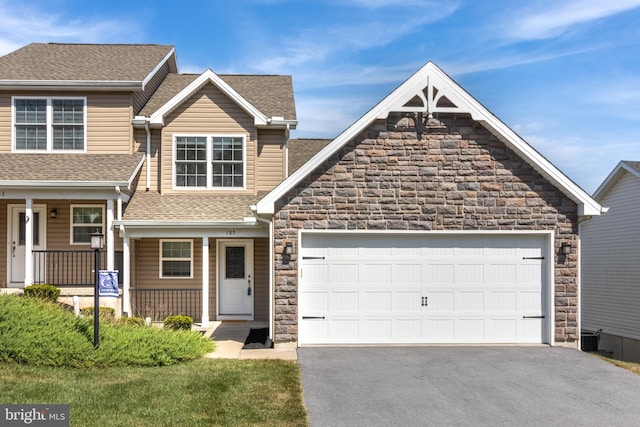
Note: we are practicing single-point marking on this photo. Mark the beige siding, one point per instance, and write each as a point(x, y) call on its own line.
point(610, 267)
point(108, 121)
point(140, 147)
point(270, 164)
point(3, 238)
point(141, 98)
point(208, 112)
point(261, 274)
point(148, 267)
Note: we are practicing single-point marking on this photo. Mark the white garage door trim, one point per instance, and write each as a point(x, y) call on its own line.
point(309, 312)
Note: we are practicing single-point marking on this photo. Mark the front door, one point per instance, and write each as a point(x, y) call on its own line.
point(235, 278)
point(17, 230)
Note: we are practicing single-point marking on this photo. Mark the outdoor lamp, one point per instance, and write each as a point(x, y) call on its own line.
point(288, 248)
point(566, 249)
point(97, 241)
point(53, 213)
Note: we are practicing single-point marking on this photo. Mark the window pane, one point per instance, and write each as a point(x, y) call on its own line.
point(176, 269)
point(31, 111)
point(68, 111)
point(176, 249)
point(82, 234)
point(234, 262)
point(87, 215)
point(31, 137)
point(68, 137)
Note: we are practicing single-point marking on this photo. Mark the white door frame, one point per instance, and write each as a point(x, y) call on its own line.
point(11, 210)
point(249, 277)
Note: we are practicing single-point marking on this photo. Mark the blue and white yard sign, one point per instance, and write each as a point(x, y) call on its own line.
point(108, 283)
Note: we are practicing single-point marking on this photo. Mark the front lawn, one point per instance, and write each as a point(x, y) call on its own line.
point(199, 393)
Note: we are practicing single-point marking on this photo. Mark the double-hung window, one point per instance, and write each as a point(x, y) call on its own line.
point(209, 162)
point(49, 124)
point(86, 220)
point(176, 258)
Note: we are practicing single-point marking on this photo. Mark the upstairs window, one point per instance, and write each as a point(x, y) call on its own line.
point(49, 124)
point(209, 162)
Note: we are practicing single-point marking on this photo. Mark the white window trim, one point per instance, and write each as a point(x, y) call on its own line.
point(162, 259)
point(209, 138)
point(71, 224)
point(49, 123)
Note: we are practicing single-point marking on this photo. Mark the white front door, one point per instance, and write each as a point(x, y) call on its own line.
point(17, 229)
point(235, 278)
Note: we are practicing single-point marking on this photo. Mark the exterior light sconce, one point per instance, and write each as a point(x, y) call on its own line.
point(288, 248)
point(53, 213)
point(566, 249)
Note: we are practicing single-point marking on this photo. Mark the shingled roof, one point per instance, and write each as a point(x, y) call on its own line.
point(82, 62)
point(301, 150)
point(271, 94)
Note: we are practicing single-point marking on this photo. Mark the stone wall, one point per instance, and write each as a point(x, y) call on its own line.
point(454, 175)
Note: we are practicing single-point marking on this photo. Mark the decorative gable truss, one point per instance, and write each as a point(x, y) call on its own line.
point(427, 92)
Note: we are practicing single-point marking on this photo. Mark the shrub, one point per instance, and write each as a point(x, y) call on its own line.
point(178, 323)
point(106, 312)
point(42, 333)
point(41, 291)
point(132, 321)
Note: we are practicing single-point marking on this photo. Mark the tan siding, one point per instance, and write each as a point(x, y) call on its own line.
point(261, 274)
point(270, 163)
point(141, 98)
point(213, 278)
point(208, 111)
point(610, 267)
point(140, 146)
point(148, 271)
point(3, 247)
point(109, 117)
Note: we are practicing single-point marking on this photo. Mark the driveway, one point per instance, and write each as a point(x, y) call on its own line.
point(474, 386)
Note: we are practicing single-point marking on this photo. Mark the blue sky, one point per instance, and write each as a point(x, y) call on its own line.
point(564, 74)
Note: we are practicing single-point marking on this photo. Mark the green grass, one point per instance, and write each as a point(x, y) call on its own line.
point(199, 393)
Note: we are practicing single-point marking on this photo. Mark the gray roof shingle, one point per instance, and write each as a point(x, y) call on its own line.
point(153, 206)
point(82, 62)
point(272, 95)
point(71, 168)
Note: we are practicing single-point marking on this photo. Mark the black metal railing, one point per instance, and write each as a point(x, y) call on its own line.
point(158, 304)
point(70, 267)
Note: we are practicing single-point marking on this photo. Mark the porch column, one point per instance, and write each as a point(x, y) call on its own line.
point(205, 280)
point(126, 277)
point(110, 237)
point(28, 242)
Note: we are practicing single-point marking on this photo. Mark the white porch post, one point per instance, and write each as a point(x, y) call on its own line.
point(126, 277)
point(110, 237)
point(205, 280)
point(28, 242)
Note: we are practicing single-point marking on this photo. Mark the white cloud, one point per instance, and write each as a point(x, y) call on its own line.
point(553, 18)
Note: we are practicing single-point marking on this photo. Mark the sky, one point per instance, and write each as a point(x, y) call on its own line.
point(565, 75)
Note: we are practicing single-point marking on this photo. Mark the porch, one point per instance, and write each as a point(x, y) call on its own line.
point(66, 268)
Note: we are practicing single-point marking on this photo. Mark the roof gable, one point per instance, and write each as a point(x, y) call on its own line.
point(157, 117)
point(621, 168)
point(430, 91)
point(96, 66)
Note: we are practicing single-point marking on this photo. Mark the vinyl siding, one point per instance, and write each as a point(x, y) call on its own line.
point(611, 263)
point(108, 121)
point(261, 274)
point(140, 146)
point(208, 112)
point(270, 162)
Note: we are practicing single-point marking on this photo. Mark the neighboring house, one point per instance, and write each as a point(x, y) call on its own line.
point(611, 265)
point(427, 220)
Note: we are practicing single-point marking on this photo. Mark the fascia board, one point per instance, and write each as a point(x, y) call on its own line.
point(207, 77)
point(63, 184)
point(465, 102)
point(100, 85)
point(158, 67)
point(612, 178)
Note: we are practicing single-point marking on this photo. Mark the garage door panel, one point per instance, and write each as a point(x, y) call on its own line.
point(422, 289)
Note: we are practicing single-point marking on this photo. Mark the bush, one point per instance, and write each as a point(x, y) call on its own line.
point(37, 332)
point(106, 312)
point(132, 321)
point(41, 291)
point(177, 323)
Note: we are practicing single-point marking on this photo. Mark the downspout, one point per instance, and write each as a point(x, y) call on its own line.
point(286, 152)
point(148, 160)
point(270, 223)
point(119, 193)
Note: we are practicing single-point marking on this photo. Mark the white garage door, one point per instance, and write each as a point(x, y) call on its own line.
point(416, 288)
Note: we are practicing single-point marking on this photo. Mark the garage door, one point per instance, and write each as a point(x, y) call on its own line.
point(417, 288)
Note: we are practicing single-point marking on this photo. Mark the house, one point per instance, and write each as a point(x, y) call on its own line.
point(112, 139)
point(610, 267)
point(426, 221)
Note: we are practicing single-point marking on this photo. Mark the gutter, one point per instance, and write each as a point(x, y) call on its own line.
point(71, 85)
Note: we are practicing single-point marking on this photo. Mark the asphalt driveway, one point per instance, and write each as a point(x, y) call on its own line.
point(474, 386)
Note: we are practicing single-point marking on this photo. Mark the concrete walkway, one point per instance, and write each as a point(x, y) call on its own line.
point(230, 336)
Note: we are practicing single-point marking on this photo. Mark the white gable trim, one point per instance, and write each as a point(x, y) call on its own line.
point(208, 76)
point(173, 67)
point(437, 85)
point(613, 177)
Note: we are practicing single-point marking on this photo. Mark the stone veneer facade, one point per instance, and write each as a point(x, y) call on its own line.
point(455, 175)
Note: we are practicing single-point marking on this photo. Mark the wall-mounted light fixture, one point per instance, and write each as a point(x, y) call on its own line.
point(288, 248)
point(566, 248)
point(53, 213)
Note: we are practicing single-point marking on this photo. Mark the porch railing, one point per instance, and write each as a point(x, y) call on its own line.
point(160, 303)
point(70, 267)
